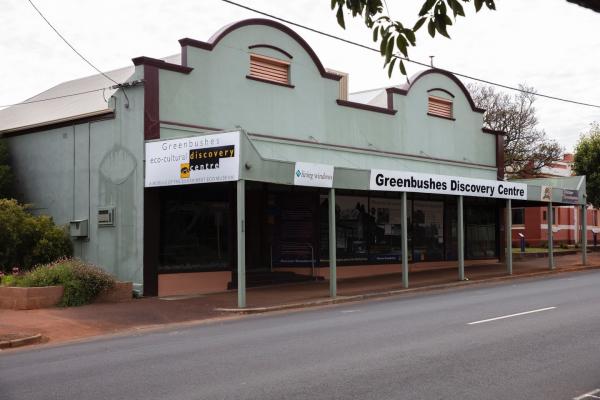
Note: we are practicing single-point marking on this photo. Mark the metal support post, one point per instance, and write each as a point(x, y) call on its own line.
point(509, 264)
point(550, 238)
point(404, 242)
point(332, 246)
point(584, 235)
point(241, 243)
point(461, 240)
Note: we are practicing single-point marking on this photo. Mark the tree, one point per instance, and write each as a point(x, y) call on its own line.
point(6, 177)
point(526, 147)
point(587, 162)
point(392, 35)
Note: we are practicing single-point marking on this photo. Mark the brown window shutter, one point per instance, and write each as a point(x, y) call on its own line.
point(440, 107)
point(270, 69)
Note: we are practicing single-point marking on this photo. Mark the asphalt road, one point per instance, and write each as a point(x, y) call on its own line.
point(417, 347)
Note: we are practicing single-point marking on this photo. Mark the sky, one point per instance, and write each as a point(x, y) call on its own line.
point(551, 45)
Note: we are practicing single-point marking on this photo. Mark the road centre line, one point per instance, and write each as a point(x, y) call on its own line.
point(511, 315)
point(589, 395)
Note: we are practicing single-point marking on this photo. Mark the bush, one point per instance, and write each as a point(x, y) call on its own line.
point(27, 240)
point(82, 282)
point(563, 245)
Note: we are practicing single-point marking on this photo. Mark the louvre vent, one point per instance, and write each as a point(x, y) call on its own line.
point(269, 69)
point(440, 107)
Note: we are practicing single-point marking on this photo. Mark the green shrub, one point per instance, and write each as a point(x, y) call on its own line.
point(27, 240)
point(87, 283)
point(82, 282)
point(9, 280)
point(563, 245)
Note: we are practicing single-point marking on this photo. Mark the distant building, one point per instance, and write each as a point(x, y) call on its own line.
point(532, 222)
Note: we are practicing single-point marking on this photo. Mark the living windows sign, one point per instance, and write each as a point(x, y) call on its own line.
point(401, 181)
point(194, 159)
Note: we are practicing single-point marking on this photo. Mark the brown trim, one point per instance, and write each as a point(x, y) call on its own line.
point(268, 46)
point(341, 146)
point(493, 132)
point(500, 156)
point(105, 116)
point(441, 116)
point(217, 37)
point(184, 56)
point(441, 90)
point(155, 62)
point(366, 107)
point(390, 95)
point(268, 81)
point(151, 242)
point(404, 91)
point(189, 125)
point(151, 103)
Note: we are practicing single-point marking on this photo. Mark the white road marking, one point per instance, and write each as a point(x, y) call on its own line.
point(349, 311)
point(589, 395)
point(511, 315)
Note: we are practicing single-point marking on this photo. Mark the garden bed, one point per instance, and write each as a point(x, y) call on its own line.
point(30, 298)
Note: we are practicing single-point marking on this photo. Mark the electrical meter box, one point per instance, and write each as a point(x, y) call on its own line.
point(78, 228)
point(106, 216)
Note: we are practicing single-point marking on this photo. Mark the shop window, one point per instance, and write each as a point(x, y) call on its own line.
point(480, 232)
point(269, 69)
point(518, 216)
point(195, 230)
point(368, 230)
point(439, 107)
point(384, 237)
point(428, 230)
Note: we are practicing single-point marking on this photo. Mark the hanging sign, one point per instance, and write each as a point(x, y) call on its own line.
point(546, 193)
point(399, 181)
point(309, 174)
point(570, 196)
point(195, 159)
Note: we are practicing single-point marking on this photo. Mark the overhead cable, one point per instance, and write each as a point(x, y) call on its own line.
point(581, 103)
point(69, 44)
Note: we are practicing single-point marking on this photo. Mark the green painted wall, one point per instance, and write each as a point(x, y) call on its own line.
point(69, 172)
point(217, 94)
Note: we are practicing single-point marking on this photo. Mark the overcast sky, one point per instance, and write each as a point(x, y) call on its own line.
point(551, 45)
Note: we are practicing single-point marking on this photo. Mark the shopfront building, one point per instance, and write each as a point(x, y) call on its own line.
point(247, 162)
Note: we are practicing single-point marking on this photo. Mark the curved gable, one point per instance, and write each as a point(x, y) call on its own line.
point(404, 90)
point(223, 32)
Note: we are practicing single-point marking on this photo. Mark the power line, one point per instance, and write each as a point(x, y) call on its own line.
point(406, 59)
point(69, 44)
point(57, 97)
point(117, 86)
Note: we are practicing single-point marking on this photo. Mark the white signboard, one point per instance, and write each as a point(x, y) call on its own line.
point(309, 174)
point(399, 181)
point(196, 159)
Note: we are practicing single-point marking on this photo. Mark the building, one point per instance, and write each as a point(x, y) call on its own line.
point(532, 222)
point(243, 160)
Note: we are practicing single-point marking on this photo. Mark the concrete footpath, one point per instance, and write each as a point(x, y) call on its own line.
point(66, 324)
